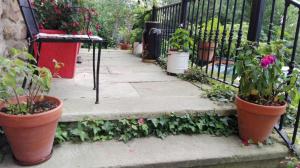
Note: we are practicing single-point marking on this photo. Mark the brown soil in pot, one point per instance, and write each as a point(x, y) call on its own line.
point(31, 136)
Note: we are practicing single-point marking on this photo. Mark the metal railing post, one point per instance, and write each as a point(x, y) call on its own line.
point(256, 19)
point(154, 13)
point(183, 13)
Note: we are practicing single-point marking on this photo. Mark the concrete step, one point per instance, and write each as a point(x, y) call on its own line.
point(76, 109)
point(173, 152)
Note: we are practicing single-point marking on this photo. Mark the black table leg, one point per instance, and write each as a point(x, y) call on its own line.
point(94, 66)
point(98, 72)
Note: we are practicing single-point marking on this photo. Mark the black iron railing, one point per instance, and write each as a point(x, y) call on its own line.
point(219, 27)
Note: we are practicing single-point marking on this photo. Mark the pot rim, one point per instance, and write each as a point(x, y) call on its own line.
point(59, 106)
point(259, 105)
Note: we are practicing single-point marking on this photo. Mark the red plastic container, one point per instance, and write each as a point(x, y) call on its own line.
point(65, 53)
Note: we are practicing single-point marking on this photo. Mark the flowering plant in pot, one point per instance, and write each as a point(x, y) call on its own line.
point(178, 55)
point(263, 88)
point(28, 117)
point(62, 17)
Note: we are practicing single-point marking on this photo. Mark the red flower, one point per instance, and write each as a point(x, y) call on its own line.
point(98, 26)
point(267, 60)
point(141, 121)
point(89, 33)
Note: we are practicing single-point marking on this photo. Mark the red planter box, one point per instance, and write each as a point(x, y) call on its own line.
point(65, 53)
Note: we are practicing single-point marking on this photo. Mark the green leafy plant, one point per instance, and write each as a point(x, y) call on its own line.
point(262, 79)
point(127, 129)
point(195, 74)
point(136, 35)
point(124, 34)
point(211, 28)
point(222, 93)
point(12, 73)
point(181, 40)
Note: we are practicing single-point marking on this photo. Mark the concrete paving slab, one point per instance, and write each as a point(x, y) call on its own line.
point(167, 89)
point(107, 90)
point(142, 68)
point(129, 89)
point(172, 152)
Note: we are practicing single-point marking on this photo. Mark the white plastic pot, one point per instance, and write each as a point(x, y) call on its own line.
point(137, 48)
point(178, 62)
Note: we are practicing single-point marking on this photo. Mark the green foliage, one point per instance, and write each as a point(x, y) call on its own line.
point(12, 73)
point(141, 14)
point(264, 82)
point(181, 40)
point(222, 93)
point(128, 129)
point(60, 15)
point(124, 33)
point(136, 35)
point(195, 74)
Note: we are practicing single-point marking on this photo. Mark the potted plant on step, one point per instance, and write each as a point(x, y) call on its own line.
point(28, 117)
point(178, 55)
point(263, 88)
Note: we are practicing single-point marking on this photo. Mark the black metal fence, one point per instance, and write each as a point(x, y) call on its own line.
point(218, 28)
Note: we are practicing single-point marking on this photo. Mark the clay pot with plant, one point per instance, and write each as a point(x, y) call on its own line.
point(206, 47)
point(124, 34)
point(263, 88)
point(28, 117)
point(178, 55)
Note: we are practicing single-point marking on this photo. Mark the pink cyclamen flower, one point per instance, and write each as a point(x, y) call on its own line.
point(267, 60)
point(141, 121)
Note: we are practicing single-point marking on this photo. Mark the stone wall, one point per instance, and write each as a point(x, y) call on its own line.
point(12, 27)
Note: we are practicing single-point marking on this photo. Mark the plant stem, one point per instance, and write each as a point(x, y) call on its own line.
point(18, 100)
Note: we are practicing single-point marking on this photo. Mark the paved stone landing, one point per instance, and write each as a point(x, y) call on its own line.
point(128, 88)
point(201, 151)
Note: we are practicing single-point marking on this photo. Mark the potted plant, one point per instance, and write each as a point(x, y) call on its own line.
point(124, 34)
point(60, 17)
point(28, 117)
point(140, 16)
point(206, 48)
point(136, 40)
point(178, 55)
point(263, 87)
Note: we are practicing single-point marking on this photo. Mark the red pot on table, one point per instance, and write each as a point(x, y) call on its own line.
point(65, 53)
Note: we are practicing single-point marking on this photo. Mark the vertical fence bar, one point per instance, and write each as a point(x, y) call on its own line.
point(256, 19)
point(223, 39)
point(154, 13)
point(281, 37)
point(296, 125)
point(205, 35)
point(230, 40)
point(210, 35)
point(239, 39)
point(271, 21)
point(195, 35)
point(217, 36)
point(184, 10)
point(200, 33)
point(167, 29)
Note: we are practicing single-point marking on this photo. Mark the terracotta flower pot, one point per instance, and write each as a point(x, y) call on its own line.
point(255, 121)
point(206, 51)
point(31, 136)
point(124, 46)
